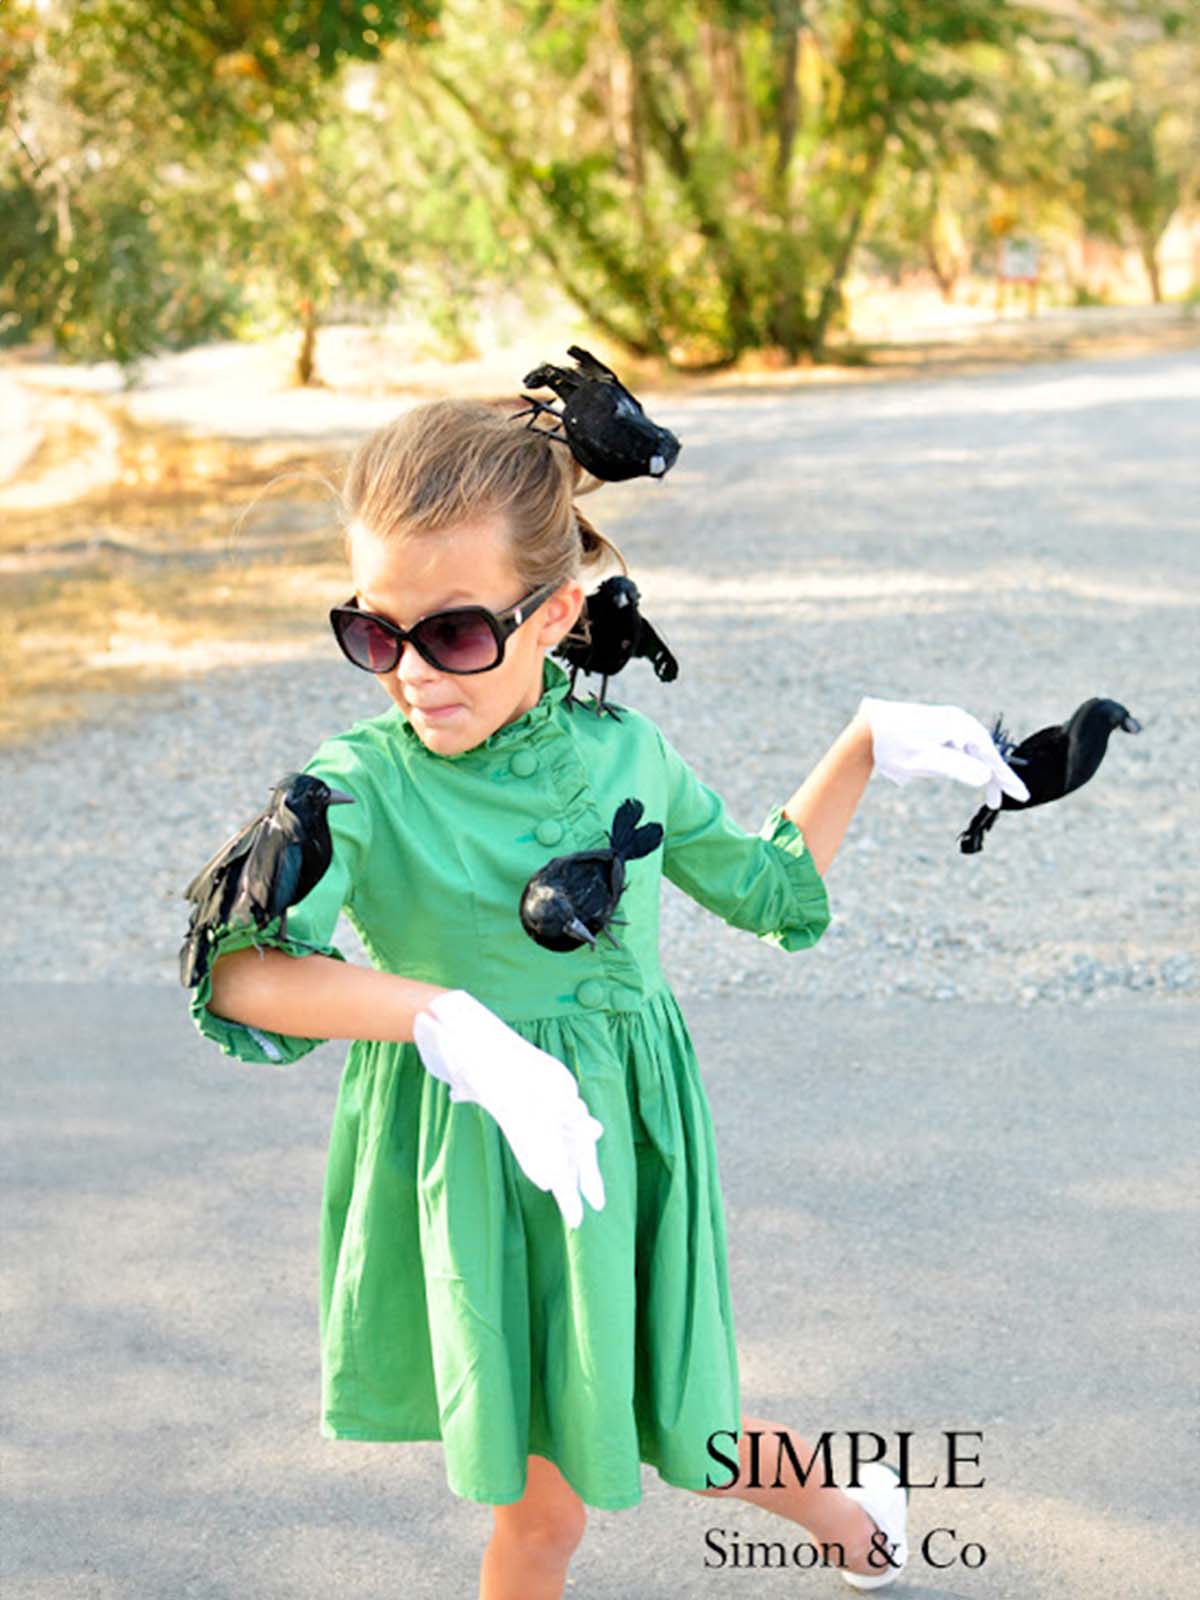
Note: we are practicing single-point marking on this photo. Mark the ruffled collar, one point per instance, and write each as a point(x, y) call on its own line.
point(555, 685)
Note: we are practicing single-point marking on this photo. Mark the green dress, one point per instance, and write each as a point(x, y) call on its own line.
point(455, 1303)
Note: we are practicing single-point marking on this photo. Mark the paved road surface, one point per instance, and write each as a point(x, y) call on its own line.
point(951, 1219)
point(972, 1206)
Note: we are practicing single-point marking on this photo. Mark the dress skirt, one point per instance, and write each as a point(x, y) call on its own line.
point(456, 1304)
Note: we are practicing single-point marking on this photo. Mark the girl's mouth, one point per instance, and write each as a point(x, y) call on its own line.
point(436, 713)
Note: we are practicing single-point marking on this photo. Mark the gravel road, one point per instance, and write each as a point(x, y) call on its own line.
point(1011, 543)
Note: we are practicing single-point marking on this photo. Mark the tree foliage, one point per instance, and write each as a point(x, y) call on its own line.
point(1137, 157)
point(177, 171)
point(698, 175)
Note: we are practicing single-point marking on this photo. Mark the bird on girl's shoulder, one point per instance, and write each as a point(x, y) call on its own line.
point(1052, 762)
point(618, 632)
point(606, 427)
point(571, 900)
point(272, 863)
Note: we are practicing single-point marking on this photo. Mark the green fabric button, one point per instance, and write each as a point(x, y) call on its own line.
point(590, 993)
point(549, 831)
point(523, 764)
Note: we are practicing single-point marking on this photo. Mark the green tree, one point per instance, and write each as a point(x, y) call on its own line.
point(699, 175)
point(127, 128)
point(1137, 154)
point(992, 166)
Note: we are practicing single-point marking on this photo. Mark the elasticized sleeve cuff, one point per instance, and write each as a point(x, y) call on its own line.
point(239, 1039)
point(809, 913)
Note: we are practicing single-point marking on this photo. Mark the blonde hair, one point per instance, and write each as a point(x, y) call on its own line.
point(450, 461)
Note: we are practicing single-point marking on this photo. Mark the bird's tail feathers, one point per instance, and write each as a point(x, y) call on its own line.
point(628, 840)
point(1001, 739)
point(656, 650)
point(193, 956)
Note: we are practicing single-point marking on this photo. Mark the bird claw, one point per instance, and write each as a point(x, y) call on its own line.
point(538, 408)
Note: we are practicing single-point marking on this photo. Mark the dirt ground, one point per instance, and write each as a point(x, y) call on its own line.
point(133, 549)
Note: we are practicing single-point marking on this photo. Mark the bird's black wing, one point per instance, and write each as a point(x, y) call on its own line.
point(576, 651)
point(270, 878)
point(1042, 766)
point(653, 647)
point(1044, 739)
point(234, 849)
point(212, 892)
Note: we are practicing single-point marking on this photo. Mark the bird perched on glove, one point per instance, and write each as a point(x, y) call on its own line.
point(617, 633)
point(571, 900)
point(272, 863)
point(1052, 762)
point(912, 740)
point(606, 428)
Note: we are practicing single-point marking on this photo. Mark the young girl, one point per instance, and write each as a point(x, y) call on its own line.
point(522, 1248)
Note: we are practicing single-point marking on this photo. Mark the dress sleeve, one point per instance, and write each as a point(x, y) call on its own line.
point(765, 882)
point(310, 922)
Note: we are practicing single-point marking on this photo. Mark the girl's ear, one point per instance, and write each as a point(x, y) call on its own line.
point(559, 614)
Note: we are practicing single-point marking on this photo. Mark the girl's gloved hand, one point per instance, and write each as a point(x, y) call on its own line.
point(918, 741)
point(531, 1095)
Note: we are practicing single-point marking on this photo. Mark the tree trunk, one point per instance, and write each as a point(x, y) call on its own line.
point(786, 49)
point(667, 136)
point(945, 274)
point(1150, 261)
point(307, 359)
point(831, 294)
point(622, 274)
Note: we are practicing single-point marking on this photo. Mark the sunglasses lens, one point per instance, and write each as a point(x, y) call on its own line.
point(462, 643)
point(367, 644)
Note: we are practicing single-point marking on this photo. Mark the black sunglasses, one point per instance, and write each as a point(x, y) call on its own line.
point(463, 639)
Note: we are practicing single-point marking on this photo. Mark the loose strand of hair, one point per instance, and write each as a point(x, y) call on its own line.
point(307, 474)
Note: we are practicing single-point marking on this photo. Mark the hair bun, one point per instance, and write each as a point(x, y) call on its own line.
point(596, 547)
point(588, 535)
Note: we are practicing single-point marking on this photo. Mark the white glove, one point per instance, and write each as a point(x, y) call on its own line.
point(917, 741)
point(531, 1095)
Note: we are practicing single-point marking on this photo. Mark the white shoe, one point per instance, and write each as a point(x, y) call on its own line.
point(886, 1503)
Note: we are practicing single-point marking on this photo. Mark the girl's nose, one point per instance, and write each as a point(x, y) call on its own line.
point(413, 667)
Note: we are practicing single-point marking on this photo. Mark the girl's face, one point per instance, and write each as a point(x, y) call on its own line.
point(404, 580)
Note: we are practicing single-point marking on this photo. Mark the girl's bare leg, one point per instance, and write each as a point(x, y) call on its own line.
point(533, 1539)
point(818, 1505)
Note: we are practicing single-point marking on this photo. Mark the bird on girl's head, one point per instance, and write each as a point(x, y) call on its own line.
point(1052, 762)
point(617, 633)
point(606, 428)
point(571, 900)
point(272, 863)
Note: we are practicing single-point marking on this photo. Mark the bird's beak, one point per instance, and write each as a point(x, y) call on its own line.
point(1131, 724)
point(578, 931)
point(337, 798)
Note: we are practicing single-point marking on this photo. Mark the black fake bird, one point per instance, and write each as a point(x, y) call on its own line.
point(572, 898)
point(606, 428)
point(1052, 761)
point(267, 866)
point(618, 633)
